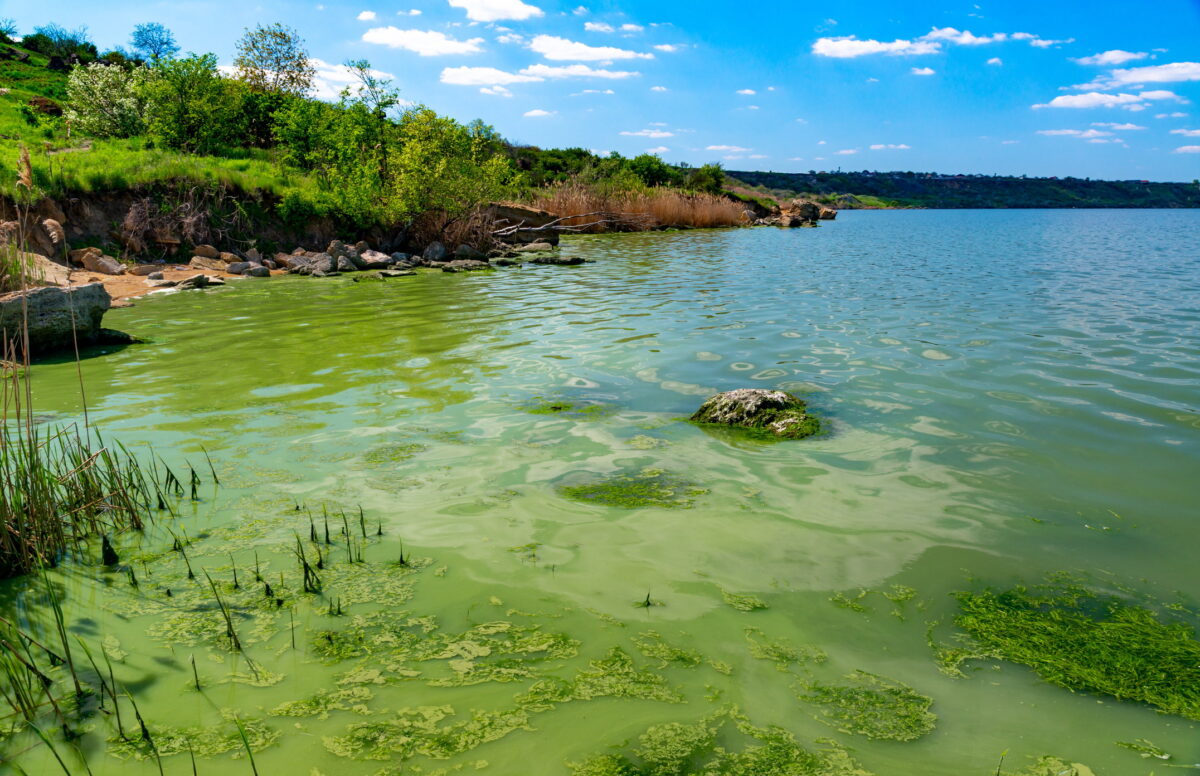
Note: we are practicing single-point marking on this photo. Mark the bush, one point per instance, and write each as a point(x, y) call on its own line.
point(54, 40)
point(653, 171)
point(190, 107)
point(709, 179)
point(106, 101)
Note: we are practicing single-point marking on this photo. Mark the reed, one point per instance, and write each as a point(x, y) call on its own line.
point(639, 209)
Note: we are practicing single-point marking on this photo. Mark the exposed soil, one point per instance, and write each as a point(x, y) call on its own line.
point(123, 288)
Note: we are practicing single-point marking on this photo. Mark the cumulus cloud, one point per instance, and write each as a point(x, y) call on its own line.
point(1113, 57)
point(891, 147)
point(598, 27)
point(1188, 149)
point(497, 10)
point(560, 49)
point(964, 38)
point(1101, 100)
point(923, 71)
point(747, 91)
point(658, 150)
point(366, 16)
point(651, 133)
point(593, 91)
point(668, 48)
point(1083, 134)
point(496, 91)
point(995, 61)
point(728, 148)
point(538, 113)
point(850, 46)
point(1170, 73)
point(1126, 127)
point(1175, 115)
point(659, 89)
point(847, 152)
point(483, 76)
point(575, 71)
point(413, 12)
point(331, 79)
point(427, 43)
point(1186, 132)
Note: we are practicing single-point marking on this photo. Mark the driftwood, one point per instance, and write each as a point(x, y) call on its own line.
point(557, 224)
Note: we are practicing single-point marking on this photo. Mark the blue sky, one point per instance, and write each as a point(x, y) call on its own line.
point(1097, 89)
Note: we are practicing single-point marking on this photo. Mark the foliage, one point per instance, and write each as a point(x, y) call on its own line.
point(709, 179)
point(8, 28)
point(272, 58)
point(188, 99)
point(154, 41)
point(107, 101)
point(55, 40)
point(653, 171)
point(1079, 639)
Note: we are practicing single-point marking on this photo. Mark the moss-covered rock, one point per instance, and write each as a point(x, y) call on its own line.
point(777, 413)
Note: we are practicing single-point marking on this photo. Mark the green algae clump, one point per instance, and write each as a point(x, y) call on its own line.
point(577, 410)
point(1078, 639)
point(777, 414)
point(1054, 766)
point(743, 603)
point(872, 706)
point(647, 488)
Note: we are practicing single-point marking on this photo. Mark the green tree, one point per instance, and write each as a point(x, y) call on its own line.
point(653, 171)
point(8, 28)
point(273, 59)
point(153, 41)
point(54, 40)
point(190, 107)
point(105, 101)
point(709, 179)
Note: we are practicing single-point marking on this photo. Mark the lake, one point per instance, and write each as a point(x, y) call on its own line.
point(1008, 395)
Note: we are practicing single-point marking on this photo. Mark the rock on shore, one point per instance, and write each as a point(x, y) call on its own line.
point(52, 313)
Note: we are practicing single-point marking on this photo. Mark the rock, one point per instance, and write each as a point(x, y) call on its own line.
point(292, 261)
point(775, 412)
point(230, 258)
point(238, 267)
point(51, 310)
point(361, 246)
point(199, 281)
point(76, 256)
point(207, 251)
point(105, 265)
point(253, 256)
point(346, 264)
point(467, 253)
point(339, 251)
point(396, 273)
point(465, 265)
point(155, 276)
point(154, 282)
point(41, 271)
point(144, 269)
point(320, 273)
point(827, 214)
point(258, 271)
point(270, 264)
point(506, 262)
point(535, 247)
point(435, 251)
point(204, 262)
point(370, 259)
point(559, 261)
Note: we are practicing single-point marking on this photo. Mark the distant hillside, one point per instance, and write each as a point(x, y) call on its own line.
point(850, 190)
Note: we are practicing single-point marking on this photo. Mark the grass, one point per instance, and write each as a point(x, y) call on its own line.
point(1084, 641)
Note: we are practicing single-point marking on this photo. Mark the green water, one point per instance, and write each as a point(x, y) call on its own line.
point(1007, 395)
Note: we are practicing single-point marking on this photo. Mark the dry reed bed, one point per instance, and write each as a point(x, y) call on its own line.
point(626, 211)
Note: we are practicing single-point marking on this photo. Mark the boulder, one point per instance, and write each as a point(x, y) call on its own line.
point(465, 265)
point(253, 256)
point(777, 413)
point(370, 259)
point(434, 252)
point(204, 262)
point(346, 264)
point(396, 273)
point(559, 261)
point(258, 271)
point(506, 262)
point(535, 247)
point(207, 251)
point(270, 264)
point(57, 316)
point(238, 267)
point(155, 276)
point(159, 282)
point(199, 281)
point(105, 265)
point(230, 258)
point(76, 256)
point(361, 246)
point(467, 253)
point(144, 269)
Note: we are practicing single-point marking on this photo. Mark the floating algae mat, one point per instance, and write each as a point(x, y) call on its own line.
point(485, 539)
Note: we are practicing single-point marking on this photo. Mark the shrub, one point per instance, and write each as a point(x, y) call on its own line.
point(53, 40)
point(106, 101)
point(190, 106)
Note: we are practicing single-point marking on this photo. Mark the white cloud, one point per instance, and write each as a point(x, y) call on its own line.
point(496, 91)
point(1084, 134)
point(413, 12)
point(366, 16)
point(668, 48)
point(1188, 149)
point(427, 43)
point(1175, 115)
point(1169, 73)
point(847, 152)
point(730, 148)
point(923, 71)
point(658, 150)
point(747, 91)
point(496, 10)
point(510, 38)
point(659, 89)
point(1044, 43)
point(632, 28)
point(891, 147)
point(1113, 57)
point(1009, 142)
point(575, 71)
point(1101, 100)
point(995, 61)
point(652, 133)
point(964, 38)
point(538, 113)
point(593, 91)
point(757, 156)
point(483, 76)
point(581, 11)
point(598, 27)
point(560, 49)
point(1118, 127)
point(849, 46)
point(1186, 132)
point(331, 79)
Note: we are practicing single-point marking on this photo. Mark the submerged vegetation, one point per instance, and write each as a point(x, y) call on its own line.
point(1083, 640)
point(649, 487)
point(871, 706)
